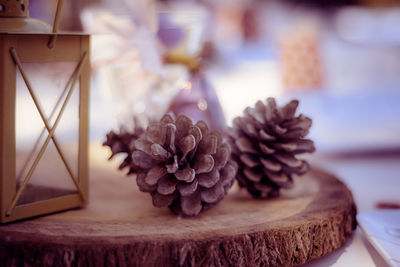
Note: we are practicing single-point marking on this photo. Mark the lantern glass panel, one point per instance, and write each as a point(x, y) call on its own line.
point(50, 82)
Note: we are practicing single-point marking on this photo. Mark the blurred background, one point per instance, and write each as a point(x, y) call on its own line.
point(341, 58)
point(210, 59)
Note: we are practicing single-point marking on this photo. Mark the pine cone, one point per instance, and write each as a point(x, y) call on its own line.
point(183, 166)
point(265, 142)
point(123, 142)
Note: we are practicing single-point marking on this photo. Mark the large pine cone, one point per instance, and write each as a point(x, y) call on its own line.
point(265, 142)
point(183, 166)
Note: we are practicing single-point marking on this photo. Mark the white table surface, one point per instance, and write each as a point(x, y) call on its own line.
point(371, 179)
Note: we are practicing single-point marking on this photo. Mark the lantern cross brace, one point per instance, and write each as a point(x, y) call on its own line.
point(50, 130)
point(51, 116)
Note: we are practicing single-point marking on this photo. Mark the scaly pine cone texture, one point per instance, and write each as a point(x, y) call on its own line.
point(123, 143)
point(184, 166)
point(265, 142)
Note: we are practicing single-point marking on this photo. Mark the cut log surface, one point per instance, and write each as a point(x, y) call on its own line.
point(120, 227)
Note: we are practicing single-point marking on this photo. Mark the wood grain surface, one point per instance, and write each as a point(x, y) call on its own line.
point(120, 227)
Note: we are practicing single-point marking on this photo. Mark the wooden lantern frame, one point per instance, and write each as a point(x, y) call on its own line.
point(19, 48)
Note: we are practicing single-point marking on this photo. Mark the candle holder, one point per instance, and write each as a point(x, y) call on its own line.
point(44, 96)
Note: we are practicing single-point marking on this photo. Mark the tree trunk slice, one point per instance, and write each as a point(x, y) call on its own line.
point(120, 227)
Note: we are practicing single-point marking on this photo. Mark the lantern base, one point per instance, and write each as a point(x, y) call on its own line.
point(35, 193)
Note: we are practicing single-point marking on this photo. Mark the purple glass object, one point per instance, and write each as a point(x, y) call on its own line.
point(199, 101)
point(182, 30)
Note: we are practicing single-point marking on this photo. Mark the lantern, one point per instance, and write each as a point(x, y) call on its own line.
point(44, 94)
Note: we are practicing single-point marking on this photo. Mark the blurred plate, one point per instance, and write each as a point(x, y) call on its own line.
point(382, 229)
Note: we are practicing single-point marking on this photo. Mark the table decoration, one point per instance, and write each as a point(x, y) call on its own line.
point(121, 227)
point(44, 78)
point(266, 141)
point(184, 166)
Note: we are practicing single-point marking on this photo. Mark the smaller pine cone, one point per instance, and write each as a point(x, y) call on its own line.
point(265, 142)
point(123, 143)
point(184, 166)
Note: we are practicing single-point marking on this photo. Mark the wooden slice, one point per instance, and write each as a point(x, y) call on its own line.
point(120, 227)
